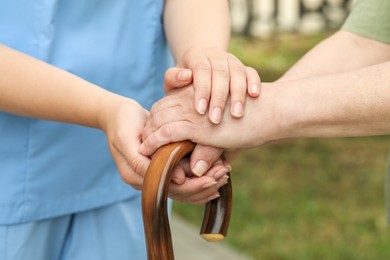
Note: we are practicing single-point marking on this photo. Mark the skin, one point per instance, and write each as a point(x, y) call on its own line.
point(349, 98)
point(201, 46)
point(200, 52)
point(23, 79)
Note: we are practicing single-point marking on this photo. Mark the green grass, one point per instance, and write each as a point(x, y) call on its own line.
point(309, 198)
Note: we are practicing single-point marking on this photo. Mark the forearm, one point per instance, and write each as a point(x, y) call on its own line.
point(33, 88)
point(190, 23)
point(341, 52)
point(354, 103)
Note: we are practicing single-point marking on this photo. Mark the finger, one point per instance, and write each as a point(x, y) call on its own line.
point(203, 157)
point(238, 88)
point(177, 78)
point(210, 193)
point(204, 201)
point(131, 173)
point(165, 112)
point(164, 135)
point(253, 82)
point(193, 189)
point(220, 87)
point(181, 171)
point(201, 197)
point(219, 173)
point(178, 175)
point(192, 186)
point(201, 68)
point(185, 165)
point(172, 132)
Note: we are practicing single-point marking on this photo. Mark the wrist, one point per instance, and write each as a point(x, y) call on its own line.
point(109, 107)
point(278, 117)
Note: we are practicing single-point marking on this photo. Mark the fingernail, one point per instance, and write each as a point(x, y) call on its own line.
point(209, 184)
point(200, 168)
point(202, 106)
point(221, 173)
point(237, 109)
point(184, 75)
point(228, 167)
point(223, 181)
point(216, 115)
point(255, 88)
point(219, 161)
point(175, 179)
point(215, 196)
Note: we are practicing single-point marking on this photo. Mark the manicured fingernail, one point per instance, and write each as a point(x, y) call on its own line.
point(255, 88)
point(237, 109)
point(209, 184)
point(216, 115)
point(184, 75)
point(215, 196)
point(200, 168)
point(202, 106)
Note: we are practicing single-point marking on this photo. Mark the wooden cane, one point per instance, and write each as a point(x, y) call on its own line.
point(154, 204)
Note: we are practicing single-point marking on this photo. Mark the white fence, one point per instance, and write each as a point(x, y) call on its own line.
point(262, 18)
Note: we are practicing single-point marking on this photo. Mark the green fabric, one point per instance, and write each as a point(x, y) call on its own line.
point(370, 18)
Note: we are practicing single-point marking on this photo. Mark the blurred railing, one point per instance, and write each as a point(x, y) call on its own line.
point(264, 18)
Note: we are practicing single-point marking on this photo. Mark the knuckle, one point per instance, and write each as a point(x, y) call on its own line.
point(252, 71)
point(155, 120)
point(218, 99)
point(221, 71)
point(136, 164)
point(202, 67)
point(237, 68)
point(167, 131)
point(154, 108)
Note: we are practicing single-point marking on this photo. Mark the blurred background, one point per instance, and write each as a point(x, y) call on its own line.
point(309, 198)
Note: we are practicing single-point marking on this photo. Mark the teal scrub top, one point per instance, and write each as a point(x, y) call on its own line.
point(48, 168)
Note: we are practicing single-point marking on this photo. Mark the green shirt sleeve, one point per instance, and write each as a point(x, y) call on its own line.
point(370, 18)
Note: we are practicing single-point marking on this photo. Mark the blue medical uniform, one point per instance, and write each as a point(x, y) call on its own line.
point(50, 169)
point(47, 168)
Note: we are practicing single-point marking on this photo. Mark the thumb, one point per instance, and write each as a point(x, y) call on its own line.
point(177, 78)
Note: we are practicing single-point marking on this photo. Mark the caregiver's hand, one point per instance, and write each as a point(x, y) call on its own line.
point(123, 123)
point(216, 74)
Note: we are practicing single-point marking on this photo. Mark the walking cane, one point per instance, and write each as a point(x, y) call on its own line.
point(154, 204)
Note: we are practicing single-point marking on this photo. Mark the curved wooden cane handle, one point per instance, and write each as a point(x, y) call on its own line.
point(154, 204)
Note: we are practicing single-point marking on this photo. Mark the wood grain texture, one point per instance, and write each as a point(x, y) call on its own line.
point(154, 203)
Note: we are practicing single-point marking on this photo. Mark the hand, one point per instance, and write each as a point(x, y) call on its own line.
point(123, 124)
point(173, 119)
point(199, 189)
point(205, 160)
point(216, 74)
